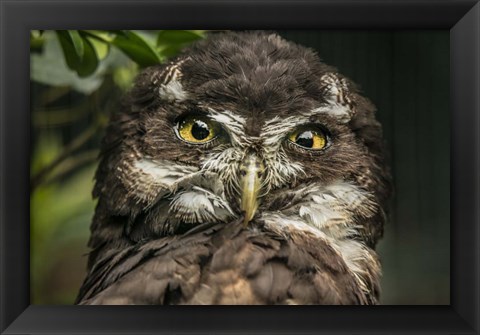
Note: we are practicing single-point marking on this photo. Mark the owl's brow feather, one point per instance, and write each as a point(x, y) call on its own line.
point(277, 128)
point(232, 123)
point(341, 113)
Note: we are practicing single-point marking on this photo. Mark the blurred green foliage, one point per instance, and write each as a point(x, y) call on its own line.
point(77, 78)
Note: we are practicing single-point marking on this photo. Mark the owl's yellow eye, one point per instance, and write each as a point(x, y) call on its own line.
point(313, 139)
point(197, 129)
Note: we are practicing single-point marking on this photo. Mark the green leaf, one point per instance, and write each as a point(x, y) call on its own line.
point(101, 48)
point(100, 40)
point(169, 37)
point(102, 35)
point(72, 41)
point(77, 43)
point(90, 60)
point(171, 42)
point(71, 56)
point(79, 52)
point(137, 48)
point(171, 50)
point(36, 41)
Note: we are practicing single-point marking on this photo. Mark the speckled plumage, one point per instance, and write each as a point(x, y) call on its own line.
point(168, 226)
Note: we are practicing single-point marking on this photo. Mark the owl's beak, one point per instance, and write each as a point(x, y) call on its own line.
point(251, 175)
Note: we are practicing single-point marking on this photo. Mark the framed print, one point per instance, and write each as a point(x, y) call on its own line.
point(359, 161)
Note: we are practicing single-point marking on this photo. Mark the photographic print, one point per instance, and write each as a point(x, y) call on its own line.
point(240, 167)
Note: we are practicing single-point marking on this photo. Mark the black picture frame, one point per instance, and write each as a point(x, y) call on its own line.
point(18, 17)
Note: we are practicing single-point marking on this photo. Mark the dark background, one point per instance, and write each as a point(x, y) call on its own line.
point(405, 74)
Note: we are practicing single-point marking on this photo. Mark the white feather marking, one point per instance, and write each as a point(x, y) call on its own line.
point(275, 130)
point(284, 225)
point(172, 91)
point(281, 169)
point(233, 124)
point(341, 112)
point(199, 205)
point(191, 201)
point(228, 119)
point(164, 172)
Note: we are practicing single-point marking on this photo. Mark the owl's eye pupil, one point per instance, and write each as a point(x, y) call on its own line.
point(200, 130)
point(305, 139)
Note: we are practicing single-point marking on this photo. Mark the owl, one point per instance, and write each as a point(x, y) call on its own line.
point(244, 171)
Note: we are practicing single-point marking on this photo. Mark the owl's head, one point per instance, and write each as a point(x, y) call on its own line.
point(238, 127)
